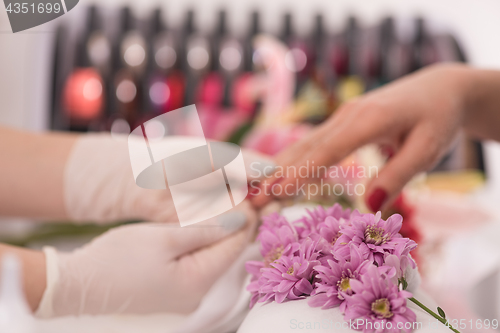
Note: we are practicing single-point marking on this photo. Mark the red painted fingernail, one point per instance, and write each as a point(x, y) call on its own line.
point(252, 191)
point(376, 199)
point(387, 151)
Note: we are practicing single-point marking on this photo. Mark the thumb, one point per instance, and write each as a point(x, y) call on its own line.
point(419, 152)
point(257, 165)
point(210, 262)
point(185, 240)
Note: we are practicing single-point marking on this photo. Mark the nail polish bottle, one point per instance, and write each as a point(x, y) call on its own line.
point(317, 92)
point(352, 84)
point(299, 56)
point(83, 92)
point(213, 84)
point(423, 47)
point(97, 46)
point(230, 60)
point(240, 96)
point(245, 103)
point(217, 115)
point(339, 56)
point(320, 44)
point(168, 94)
point(373, 45)
point(460, 55)
point(155, 91)
point(133, 48)
point(253, 30)
point(196, 58)
point(393, 56)
point(58, 119)
point(352, 37)
point(398, 62)
point(163, 84)
point(325, 74)
point(130, 58)
point(387, 41)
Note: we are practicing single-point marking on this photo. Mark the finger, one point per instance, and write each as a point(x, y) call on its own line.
point(419, 152)
point(333, 142)
point(183, 240)
point(206, 265)
point(257, 165)
point(290, 157)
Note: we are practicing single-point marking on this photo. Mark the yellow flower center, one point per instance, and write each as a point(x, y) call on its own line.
point(274, 254)
point(382, 308)
point(336, 237)
point(344, 284)
point(290, 270)
point(375, 235)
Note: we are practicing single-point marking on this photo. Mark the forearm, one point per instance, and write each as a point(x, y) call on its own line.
point(482, 116)
point(33, 273)
point(32, 172)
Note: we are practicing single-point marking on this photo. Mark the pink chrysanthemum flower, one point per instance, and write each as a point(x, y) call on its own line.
point(329, 230)
point(379, 303)
point(406, 276)
point(335, 280)
point(290, 276)
point(374, 237)
point(277, 238)
point(309, 224)
point(403, 249)
point(254, 269)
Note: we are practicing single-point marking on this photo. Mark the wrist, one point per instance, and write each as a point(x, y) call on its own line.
point(481, 116)
point(33, 272)
point(95, 179)
point(458, 83)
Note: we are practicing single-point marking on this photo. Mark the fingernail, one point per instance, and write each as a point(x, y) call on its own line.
point(263, 168)
point(252, 191)
point(376, 199)
point(387, 151)
point(232, 220)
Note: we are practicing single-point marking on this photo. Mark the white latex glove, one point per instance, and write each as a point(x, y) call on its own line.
point(99, 185)
point(146, 267)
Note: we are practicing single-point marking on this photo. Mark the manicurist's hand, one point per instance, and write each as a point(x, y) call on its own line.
point(146, 267)
point(84, 178)
point(417, 117)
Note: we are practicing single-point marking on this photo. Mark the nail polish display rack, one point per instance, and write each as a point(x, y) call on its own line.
point(118, 71)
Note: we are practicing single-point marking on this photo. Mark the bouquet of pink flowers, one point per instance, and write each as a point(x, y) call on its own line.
point(357, 262)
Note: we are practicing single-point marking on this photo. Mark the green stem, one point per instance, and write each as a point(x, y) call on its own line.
point(432, 313)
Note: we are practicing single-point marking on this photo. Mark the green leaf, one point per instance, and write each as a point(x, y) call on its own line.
point(441, 312)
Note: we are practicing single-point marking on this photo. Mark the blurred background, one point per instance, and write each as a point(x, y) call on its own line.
point(262, 74)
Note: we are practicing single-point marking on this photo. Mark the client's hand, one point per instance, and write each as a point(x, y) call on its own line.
point(417, 117)
point(145, 268)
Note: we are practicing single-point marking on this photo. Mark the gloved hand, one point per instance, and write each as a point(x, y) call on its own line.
point(99, 185)
point(146, 267)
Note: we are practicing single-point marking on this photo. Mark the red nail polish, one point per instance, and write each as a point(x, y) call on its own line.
point(376, 199)
point(387, 151)
point(252, 191)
